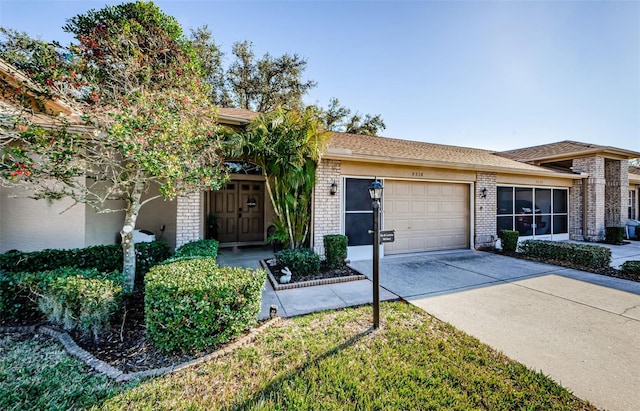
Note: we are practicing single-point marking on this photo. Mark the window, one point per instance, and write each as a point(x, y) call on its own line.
point(632, 204)
point(533, 211)
point(358, 214)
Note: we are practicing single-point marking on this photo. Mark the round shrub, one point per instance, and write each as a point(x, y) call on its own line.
point(335, 250)
point(201, 248)
point(193, 304)
point(301, 261)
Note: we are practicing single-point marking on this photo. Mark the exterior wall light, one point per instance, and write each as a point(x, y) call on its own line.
point(334, 188)
point(483, 193)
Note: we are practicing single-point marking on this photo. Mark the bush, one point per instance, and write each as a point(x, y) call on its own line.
point(335, 250)
point(104, 258)
point(631, 267)
point(82, 303)
point(614, 235)
point(19, 292)
point(200, 248)
point(577, 255)
point(509, 239)
point(194, 304)
point(301, 261)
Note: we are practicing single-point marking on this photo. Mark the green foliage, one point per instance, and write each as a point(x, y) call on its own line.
point(577, 255)
point(335, 250)
point(301, 261)
point(38, 374)
point(78, 302)
point(286, 144)
point(339, 118)
point(631, 267)
point(193, 304)
point(19, 291)
point(104, 258)
point(200, 248)
point(509, 239)
point(614, 235)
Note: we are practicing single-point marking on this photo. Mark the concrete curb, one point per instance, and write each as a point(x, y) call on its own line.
point(279, 287)
point(119, 376)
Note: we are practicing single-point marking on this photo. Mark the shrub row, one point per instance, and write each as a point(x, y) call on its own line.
point(631, 267)
point(335, 250)
point(578, 255)
point(193, 304)
point(70, 297)
point(301, 261)
point(200, 248)
point(104, 258)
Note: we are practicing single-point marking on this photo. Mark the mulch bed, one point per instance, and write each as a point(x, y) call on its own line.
point(125, 345)
point(323, 274)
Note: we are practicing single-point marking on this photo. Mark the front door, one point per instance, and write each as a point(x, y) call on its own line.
point(238, 211)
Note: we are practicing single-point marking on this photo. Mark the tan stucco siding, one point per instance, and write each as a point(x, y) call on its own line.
point(514, 179)
point(30, 225)
point(158, 213)
point(349, 168)
point(103, 228)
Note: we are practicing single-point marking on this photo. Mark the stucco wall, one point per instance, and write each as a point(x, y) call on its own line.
point(158, 213)
point(30, 225)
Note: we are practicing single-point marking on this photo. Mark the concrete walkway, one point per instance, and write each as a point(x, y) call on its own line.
point(582, 329)
point(299, 301)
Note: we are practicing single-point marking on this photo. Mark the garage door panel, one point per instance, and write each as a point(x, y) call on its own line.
point(426, 216)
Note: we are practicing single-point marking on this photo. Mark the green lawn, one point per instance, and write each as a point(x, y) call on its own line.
point(328, 361)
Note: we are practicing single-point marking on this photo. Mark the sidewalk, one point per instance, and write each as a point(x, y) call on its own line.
point(299, 301)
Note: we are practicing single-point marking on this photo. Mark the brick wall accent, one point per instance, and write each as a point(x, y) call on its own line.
point(485, 210)
point(576, 220)
point(616, 174)
point(326, 210)
point(189, 219)
point(595, 192)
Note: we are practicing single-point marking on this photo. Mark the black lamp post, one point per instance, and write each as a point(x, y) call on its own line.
point(375, 192)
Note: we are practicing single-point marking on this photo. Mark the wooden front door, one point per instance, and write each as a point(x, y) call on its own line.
point(239, 212)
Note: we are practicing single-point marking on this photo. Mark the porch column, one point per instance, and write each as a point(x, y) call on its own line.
point(189, 225)
point(326, 207)
point(595, 196)
point(486, 224)
point(616, 174)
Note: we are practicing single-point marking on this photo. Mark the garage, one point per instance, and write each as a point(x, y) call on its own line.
point(426, 216)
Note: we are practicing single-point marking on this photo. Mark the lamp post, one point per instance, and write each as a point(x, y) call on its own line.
point(375, 192)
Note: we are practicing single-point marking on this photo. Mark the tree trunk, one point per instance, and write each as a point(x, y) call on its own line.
point(128, 247)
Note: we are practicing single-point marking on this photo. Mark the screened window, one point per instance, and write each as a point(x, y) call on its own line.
point(533, 211)
point(358, 214)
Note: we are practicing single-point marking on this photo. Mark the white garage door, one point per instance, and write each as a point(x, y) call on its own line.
point(426, 216)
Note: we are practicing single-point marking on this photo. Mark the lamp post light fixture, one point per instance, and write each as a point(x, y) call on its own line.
point(375, 192)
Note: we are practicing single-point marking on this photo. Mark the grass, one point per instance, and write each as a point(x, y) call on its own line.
point(329, 361)
point(37, 374)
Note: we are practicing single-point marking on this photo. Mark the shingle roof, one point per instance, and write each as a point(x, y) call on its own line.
point(237, 114)
point(562, 149)
point(383, 149)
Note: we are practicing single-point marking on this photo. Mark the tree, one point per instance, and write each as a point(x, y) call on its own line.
point(147, 119)
point(287, 145)
point(339, 118)
point(211, 56)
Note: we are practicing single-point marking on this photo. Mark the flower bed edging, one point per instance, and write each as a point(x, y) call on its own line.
point(277, 286)
point(114, 373)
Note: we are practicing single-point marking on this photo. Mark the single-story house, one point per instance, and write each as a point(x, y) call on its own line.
point(436, 197)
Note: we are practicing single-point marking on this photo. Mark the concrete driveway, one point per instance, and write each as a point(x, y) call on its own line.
point(581, 329)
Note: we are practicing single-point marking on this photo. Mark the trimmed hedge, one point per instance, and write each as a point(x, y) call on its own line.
point(631, 267)
point(578, 255)
point(614, 235)
point(78, 302)
point(301, 261)
point(335, 250)
point(104, 258)
point(193, 304)
point(509, 239)
point(19, 291)
point(200, 248)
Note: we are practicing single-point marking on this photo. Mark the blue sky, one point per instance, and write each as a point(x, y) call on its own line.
point(496, 75)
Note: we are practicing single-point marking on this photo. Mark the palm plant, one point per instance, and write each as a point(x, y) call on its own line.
point(287, 144)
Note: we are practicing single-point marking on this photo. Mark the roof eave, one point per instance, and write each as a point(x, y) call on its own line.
point(343, 154)
point(611, 152)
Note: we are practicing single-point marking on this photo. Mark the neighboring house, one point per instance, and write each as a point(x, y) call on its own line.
point(436, 197)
